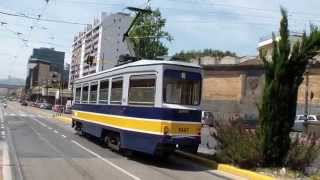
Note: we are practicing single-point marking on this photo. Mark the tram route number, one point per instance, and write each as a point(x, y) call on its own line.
point(183, 130)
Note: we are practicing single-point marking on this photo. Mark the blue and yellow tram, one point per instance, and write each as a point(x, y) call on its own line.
point(148, 106)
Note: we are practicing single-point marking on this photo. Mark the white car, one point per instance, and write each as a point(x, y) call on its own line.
point(301, 119)
point(313, 118)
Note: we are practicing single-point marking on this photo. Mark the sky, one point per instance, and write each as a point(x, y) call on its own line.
point(234, 25)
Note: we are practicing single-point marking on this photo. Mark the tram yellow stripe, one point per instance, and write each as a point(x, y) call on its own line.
point(141, 125)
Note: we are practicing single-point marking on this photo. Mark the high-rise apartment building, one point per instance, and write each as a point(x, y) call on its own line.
point(45, 66)
point(99, 46)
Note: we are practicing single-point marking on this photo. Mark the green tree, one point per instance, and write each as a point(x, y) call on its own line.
point(283, 76)
point(147, 35)
point(193, 54)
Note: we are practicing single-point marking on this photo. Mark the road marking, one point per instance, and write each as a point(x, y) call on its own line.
point(63, 136)
point(55, 131)
point(12, 114)
point(39, 116)
point(50, 128)
point(105, 160)
point(41, 123)
point(3, 133)
point(6, 168)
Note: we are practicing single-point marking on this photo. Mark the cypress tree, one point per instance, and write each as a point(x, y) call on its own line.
point(283, 76)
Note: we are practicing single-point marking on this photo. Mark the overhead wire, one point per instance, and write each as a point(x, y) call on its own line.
point(41, 19)
point(25, 41)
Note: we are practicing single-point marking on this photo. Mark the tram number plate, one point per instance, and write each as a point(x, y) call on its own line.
point(183, 130)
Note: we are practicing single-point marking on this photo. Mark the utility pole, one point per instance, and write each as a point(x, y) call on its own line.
point(61, 85)
point(306, 96)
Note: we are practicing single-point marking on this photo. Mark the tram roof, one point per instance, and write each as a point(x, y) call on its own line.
point(146, 62)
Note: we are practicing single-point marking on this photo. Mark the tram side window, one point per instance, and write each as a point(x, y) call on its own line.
point(93, 93)
point(142, 90)
point(116, 91)
point(85, 90)
point(78, 95)
point(104, 90)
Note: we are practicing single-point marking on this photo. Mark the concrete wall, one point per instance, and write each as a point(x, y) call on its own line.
point(232, 91)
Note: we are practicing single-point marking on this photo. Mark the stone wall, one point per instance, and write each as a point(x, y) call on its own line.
point(230, 91)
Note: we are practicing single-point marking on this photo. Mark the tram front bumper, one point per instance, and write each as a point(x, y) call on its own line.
point(182, 141)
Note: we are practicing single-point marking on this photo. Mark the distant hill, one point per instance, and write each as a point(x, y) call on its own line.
point(13, 81)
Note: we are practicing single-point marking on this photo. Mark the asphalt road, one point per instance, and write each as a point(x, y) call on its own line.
point(44, 148)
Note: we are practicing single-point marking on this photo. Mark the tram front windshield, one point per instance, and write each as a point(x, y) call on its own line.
point(182, 87)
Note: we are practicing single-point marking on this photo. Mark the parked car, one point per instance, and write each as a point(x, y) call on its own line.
point(45, 106)
point(301, 119)
point(33, 104)
point(58, 108)
point(314, 118)
point(24, 103)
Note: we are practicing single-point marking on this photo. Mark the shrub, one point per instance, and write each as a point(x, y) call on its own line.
point(304, 150)
point(241, 146)
point(237, 145)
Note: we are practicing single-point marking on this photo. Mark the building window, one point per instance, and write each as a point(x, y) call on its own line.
point(104, 91)
point(93, 92)
point(142, 90)
point(78, 95)
point(116, 91)
point(85, 90)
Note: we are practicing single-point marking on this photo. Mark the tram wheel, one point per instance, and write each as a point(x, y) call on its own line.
point(105, 141)
point(80, 132)
point(114, 142)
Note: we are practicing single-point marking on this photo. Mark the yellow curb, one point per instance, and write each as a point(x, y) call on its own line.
point(243, 173)
point(225, 167)
point(65, 119)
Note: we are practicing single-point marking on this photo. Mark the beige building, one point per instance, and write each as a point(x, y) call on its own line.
point(232, 90)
